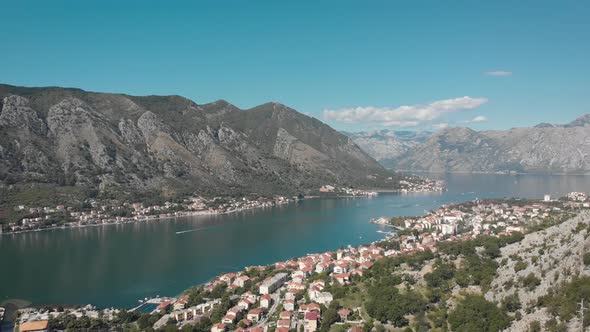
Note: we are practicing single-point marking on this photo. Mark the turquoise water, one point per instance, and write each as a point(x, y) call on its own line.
point(119, 264)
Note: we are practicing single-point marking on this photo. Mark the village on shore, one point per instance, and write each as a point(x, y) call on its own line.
point(293, 294)
point(61, 216)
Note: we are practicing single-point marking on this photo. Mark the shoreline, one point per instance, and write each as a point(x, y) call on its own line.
point(157, 218)
point(386, 236)
point(75, 225)
point(496, 173)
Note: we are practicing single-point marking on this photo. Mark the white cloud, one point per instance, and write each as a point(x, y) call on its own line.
point(403, 116)
point(479, 118)
point(498, 73)
point(440, 125)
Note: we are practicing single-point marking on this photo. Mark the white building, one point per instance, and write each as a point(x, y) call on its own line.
point(447, 229)
point(270, 285)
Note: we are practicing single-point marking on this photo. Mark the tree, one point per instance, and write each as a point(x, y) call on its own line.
point(439, 278)
point(170, 328)
point(492, 249)
point(386, 303)
point(329, 316)
point(187, 328)
point(475, 313)
point(203, 325)
point(144, 321)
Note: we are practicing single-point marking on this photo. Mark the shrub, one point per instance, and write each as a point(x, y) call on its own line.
point(535, 326)
point(520, 265)
point(511, 303)
point(531, 281)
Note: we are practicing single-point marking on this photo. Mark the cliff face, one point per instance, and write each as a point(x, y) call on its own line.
point(73, 137)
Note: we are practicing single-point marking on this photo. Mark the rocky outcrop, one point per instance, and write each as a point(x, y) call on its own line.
point(283, 144)
point(17, 113)
point(554, 256)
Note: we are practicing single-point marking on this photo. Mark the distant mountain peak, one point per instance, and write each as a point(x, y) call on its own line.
point(455, 131)
point(219, 106)
point(582, 121)
point(544, 125)
point(273, 105)
point(221, 102)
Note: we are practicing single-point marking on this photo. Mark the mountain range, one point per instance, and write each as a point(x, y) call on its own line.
point(544, 148)
point(170, 144)
point(387, 146)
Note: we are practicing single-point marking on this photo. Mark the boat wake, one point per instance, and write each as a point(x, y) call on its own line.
point(188, 231)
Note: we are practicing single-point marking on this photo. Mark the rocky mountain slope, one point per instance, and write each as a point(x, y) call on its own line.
point(386, 146)
point(555, 256)
point(171, 144)
point(543, 148)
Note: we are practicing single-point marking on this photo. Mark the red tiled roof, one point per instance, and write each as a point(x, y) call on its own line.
point(312, 315)
point(314, 306)
point(163, 305)
point(256, 311)
point(343, 312)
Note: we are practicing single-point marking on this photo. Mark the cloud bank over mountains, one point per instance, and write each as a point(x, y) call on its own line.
point(405, 115)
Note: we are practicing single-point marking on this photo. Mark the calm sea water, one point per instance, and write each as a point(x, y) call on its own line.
point(118, 264)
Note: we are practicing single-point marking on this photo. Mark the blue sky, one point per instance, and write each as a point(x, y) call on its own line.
point(355, 64)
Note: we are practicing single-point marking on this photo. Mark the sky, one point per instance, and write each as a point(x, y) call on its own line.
point(356, 65)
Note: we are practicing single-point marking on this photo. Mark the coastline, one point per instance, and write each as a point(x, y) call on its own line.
point(147, 219)
point(496, 173)
point(211, 281)
point(179, 214)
